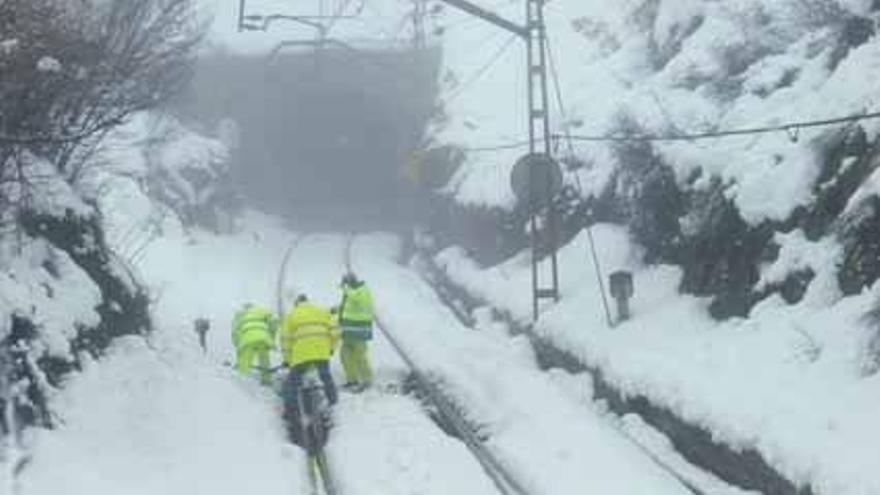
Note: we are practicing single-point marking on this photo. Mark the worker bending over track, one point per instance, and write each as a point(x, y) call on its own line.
point(253, 335)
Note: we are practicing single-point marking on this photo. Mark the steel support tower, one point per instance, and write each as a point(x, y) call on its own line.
point(544, 238)
point(540, 142)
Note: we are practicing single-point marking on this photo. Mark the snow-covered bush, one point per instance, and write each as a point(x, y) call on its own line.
point(65, 295)
point(73, 71)
point(70, 72)
point(187, 172)
point(190, 173)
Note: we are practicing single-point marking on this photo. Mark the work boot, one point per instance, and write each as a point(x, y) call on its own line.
point(351, 386)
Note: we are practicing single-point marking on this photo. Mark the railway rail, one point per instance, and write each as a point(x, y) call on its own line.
point(318, 467)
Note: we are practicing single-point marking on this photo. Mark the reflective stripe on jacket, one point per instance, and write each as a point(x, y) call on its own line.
point(309, 334)
point(357, 332)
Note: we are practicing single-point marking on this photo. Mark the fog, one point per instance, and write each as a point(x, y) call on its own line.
point(323, 136)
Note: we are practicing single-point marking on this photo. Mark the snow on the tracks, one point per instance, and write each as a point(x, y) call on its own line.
point(385, 443)
point(164, 418)
point(786, 381)
point(550, 442)
point(382, 440)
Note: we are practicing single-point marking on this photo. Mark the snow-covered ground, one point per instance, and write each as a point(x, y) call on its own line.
point(163, 420)
point(159, 416)
point(548, 440)
point(383, 441)
point(162, 417)
point(787, 381)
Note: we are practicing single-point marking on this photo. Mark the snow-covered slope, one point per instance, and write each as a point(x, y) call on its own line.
point(383, 440)
point(176, 167)
point(545, 438)
point(790, 382)
point(161, 416)
point(163, 420)
point(156, 415)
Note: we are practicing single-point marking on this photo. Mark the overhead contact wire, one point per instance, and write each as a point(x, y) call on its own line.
point(600, 278)
point(791, 128)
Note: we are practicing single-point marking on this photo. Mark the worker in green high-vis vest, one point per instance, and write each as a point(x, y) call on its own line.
point(356, 322)
point(253, 335)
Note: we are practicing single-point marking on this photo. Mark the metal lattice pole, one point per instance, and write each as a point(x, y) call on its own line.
point(540, 142)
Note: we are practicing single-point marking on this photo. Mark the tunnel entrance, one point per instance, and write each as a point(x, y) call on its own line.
point(324, 136)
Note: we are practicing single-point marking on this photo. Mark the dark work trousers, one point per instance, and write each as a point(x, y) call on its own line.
point(294, 382)
point(290, 393)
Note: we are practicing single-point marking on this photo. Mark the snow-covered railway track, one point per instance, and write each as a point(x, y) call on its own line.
point(512, 428)
point(533, 422)
point(457, 309)
point(317, 467)
point(505, 482)
point(305, 269)
point(320, 477)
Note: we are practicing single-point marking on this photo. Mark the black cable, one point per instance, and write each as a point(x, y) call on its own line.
point(336, 16)
point(499, 147)
point(471, 20)
point(591, 240)
point(378, 15)
point(558, 91)
point(492, 466)
point(496, 56)
point(791, 128)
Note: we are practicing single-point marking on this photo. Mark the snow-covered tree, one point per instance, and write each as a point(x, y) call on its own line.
point(70, 72)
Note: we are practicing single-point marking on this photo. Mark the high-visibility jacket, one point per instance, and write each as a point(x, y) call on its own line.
point(254, 325)
point(309, 334)
point(357, 306)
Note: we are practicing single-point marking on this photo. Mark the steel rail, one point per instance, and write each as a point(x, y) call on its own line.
point(433, 278)
point(317, 465)
point(506, 483)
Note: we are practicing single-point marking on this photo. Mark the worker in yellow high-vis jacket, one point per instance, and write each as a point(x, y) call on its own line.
point(356, 321)
point(253, 335)
point(308, 339)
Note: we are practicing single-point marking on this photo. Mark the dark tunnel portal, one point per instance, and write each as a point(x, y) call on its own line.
point(324, 137)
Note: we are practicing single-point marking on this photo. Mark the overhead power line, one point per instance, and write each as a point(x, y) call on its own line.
point(557, 87)
point(791, 128)
point(471, 20)
point(597, 265)
point(337, 14)
point(482, 70)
